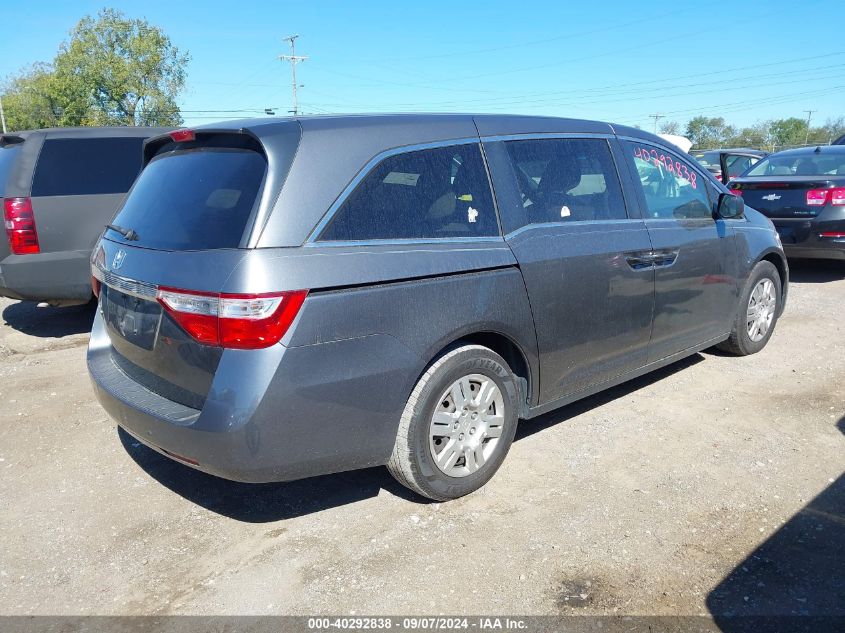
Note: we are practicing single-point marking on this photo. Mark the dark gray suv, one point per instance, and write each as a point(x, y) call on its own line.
point(291, 297)
point(58, 187)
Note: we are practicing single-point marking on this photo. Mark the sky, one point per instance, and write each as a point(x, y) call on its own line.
point(612, 60)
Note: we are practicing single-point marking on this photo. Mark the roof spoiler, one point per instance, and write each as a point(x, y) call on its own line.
point(188, 136)
point(10, 139)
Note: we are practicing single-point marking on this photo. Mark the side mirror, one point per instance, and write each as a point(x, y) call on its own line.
point(730, 206)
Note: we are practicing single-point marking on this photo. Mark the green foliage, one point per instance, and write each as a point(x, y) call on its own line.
point(112, 71)
point(713, 133)
point(790, 131)
point(29, 101)
point(708, 132)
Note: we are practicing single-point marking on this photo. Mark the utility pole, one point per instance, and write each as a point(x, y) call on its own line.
point(656, 118)
point(809, 116)
point(294, 60)
point(2, 115)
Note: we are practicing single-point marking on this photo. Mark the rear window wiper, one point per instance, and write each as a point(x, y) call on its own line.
point(128, 234)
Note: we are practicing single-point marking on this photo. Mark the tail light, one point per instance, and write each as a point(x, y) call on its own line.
point(20, 226)
point(836, 235)
point(820, 197)
point(235, 321)
point(817, 197)
point(736, 192)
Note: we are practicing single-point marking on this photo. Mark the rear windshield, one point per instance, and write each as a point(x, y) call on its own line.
point(708, 159)
point(193, 199)
point(7, 160)
point(809, 164)
point(87, 166)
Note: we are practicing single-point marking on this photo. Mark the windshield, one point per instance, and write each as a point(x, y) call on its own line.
point(7, 160)
point(809, 164)
point(193, 199)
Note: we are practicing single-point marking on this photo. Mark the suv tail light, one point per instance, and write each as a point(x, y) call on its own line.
point(20, 226)
point(235, 321)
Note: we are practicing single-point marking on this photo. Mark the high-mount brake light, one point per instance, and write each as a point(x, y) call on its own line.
point(235, 321)
point(20, 226)
point(180, 136)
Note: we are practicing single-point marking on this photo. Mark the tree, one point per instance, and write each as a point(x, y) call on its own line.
point(670, 127)
point(832, 130)
point(709, 132)
point(29, 100)
point(791, 131)
point(112, 71)
point(755, 136)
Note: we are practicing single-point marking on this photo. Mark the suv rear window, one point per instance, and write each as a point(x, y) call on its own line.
point(193, 199)
point(90, 166)
point(426, 194)
point(7, 161)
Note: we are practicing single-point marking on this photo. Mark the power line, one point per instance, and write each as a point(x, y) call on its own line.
point(294, 59)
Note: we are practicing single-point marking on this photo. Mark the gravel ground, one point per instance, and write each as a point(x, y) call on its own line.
point(713, 486)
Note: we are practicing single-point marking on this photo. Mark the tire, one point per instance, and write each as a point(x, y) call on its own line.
point(741, 342)
point(466, 428)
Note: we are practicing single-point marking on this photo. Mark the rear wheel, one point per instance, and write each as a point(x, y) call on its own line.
point(758, 311)
point(458, 424)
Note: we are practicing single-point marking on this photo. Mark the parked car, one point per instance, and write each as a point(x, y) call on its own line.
point(292, 297)
point(726, 164)
point(803, 192)
point(839, 141)
point(59, 187)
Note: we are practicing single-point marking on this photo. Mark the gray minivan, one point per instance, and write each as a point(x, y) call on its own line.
point(281, 298)
point(58, 187)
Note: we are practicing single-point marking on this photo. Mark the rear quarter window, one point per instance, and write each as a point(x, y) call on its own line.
point(8, 154)
point(426, 194)
point(194, 199)
point(90, 166)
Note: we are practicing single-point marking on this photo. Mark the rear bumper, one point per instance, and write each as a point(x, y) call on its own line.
point(802, 237)
point(276, 414)
point(60, 277)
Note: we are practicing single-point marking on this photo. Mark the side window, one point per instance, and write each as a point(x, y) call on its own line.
point(432, 193)
point(78, 167)
point(672, 188)
point(566, 180)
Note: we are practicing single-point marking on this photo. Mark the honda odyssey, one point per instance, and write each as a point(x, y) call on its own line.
point(282, 298)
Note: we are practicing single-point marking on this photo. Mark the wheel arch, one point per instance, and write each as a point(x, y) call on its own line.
point(508, 349)
point(779, 262)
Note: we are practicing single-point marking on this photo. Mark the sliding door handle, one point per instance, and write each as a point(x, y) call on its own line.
point(640, 260)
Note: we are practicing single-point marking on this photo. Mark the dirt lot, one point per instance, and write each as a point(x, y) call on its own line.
point(713, 486)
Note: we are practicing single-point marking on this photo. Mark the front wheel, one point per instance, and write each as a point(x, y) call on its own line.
point(458, 424)
point(759, 306)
